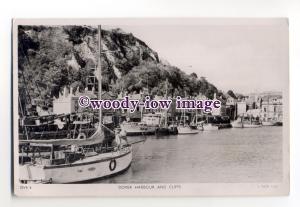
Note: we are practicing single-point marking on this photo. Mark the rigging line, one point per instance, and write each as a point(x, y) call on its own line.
point(29, 65)
point(23, 117)
point(26, 90)
point(111, 131)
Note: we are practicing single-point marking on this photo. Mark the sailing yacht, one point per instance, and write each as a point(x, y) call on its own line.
point(209, 125)
point(164, 127)
point(184, 128)
point(75, 160)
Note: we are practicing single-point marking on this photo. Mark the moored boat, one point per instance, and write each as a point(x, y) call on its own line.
point(148, 126)
point(245, 122)
point(186, 130)
point(76, 164)
point(210, 127)
point(31, 128)
point(137, 128)
point(268, 123)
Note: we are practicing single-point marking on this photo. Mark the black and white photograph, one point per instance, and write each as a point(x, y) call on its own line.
point(151, 106)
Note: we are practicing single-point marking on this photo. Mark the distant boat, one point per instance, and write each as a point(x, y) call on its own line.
point(195, 125)
point(268, 123)
point(173, 129)
point(148, 125)
point(164, 128)
point(186, 130)
point(237, 124)
point(210, 127)
point(209, 124)
point(271, 122)
point(137, 128)
point(278, 123)
point(243, 122)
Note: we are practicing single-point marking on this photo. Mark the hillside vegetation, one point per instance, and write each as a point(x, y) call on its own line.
point(50, 58)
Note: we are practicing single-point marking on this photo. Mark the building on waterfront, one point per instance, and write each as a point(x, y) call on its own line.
point(231, 106)
point(67, 102)
point(219, 111)
point(266, 106)
point(271, 108)
point(241, 108)
point(230, 101)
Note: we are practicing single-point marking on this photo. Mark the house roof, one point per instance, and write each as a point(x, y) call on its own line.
point(270, 97)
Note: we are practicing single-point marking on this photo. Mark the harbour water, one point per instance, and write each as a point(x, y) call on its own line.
point(228, 155)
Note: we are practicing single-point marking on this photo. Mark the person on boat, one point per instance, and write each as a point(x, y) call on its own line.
point(122, 133)
point(117, 141)
point(119, 136)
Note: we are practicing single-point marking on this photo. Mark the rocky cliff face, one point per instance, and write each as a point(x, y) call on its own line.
point(53, 57)
point(121, 51)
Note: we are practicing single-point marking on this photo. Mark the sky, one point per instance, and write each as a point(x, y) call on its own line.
point(245, 58)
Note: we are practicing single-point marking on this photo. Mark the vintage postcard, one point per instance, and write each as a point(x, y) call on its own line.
point(151, 107)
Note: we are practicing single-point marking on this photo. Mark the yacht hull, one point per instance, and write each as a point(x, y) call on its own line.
point(187, 130)
point(268, 123)
point(94, 167)
point(241, 125)
point(135, 129)
point(210, 127)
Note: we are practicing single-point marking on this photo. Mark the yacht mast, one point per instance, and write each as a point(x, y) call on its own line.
point(99, 76)
point(184, 110)
point(166, 97)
